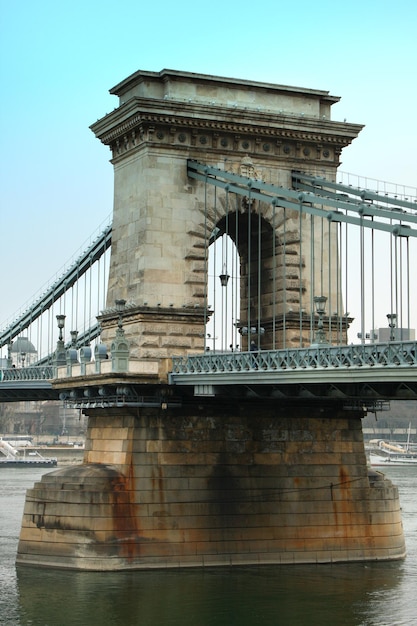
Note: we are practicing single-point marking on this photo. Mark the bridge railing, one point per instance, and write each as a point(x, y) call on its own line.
point(378, 355)
point(44, 372)
point(400, 354)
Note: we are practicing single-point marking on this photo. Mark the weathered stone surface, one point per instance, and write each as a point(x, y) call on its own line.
point(158, 496)
point(162, 222)
point(209, 483)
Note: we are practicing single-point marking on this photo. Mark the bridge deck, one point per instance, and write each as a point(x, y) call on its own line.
point(381, 356)
point(383, 370)
point(387, 370)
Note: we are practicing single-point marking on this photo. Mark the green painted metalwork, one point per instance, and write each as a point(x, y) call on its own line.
point(59, 287)
point(313, 202)
point(377, 355)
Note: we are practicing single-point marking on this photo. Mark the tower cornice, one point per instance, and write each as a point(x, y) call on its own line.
point(138, 114)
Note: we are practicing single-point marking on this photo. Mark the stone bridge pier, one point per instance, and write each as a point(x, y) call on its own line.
point(171, 479)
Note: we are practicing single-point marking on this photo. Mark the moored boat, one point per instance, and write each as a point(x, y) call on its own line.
point(387, 453)
point(393, 458)
point(10, 457)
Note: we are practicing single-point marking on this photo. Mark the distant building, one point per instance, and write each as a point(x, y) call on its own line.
point(383, 335)
point(23, 352)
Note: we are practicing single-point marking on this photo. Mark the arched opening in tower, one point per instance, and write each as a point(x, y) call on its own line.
point(243, 284)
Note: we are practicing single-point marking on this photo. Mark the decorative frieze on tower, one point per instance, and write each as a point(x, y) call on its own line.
point(181, 111)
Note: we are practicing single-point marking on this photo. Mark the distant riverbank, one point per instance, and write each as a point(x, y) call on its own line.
point(65, 455)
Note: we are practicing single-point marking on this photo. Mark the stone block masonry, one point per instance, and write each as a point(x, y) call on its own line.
point(162, 220)
point(211, 485)
point(212, 480)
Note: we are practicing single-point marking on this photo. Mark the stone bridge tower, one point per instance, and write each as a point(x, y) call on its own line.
point(163, 220)
point(172, 479)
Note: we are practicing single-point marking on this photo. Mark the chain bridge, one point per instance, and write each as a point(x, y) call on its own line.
point(367, 371)
point(225, 335)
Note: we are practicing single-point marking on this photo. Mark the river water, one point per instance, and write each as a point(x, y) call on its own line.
point(367, 594)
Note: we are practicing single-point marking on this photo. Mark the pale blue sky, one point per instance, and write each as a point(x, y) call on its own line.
point(59, 59)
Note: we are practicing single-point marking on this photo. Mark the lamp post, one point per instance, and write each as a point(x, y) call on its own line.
point(120, 346)
point(392, 319)
point(61, 323)
point(120, 307)
point(60, 356)
point(9, 354)
point(320, 304)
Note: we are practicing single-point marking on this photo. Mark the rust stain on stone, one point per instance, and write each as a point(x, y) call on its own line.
point(341, 499)
point(124, 514)
point(158, 484)
point(344, 479)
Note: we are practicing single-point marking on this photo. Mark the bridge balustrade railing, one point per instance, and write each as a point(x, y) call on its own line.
point(398, 354)
point(390, 354)
point(44, 372)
